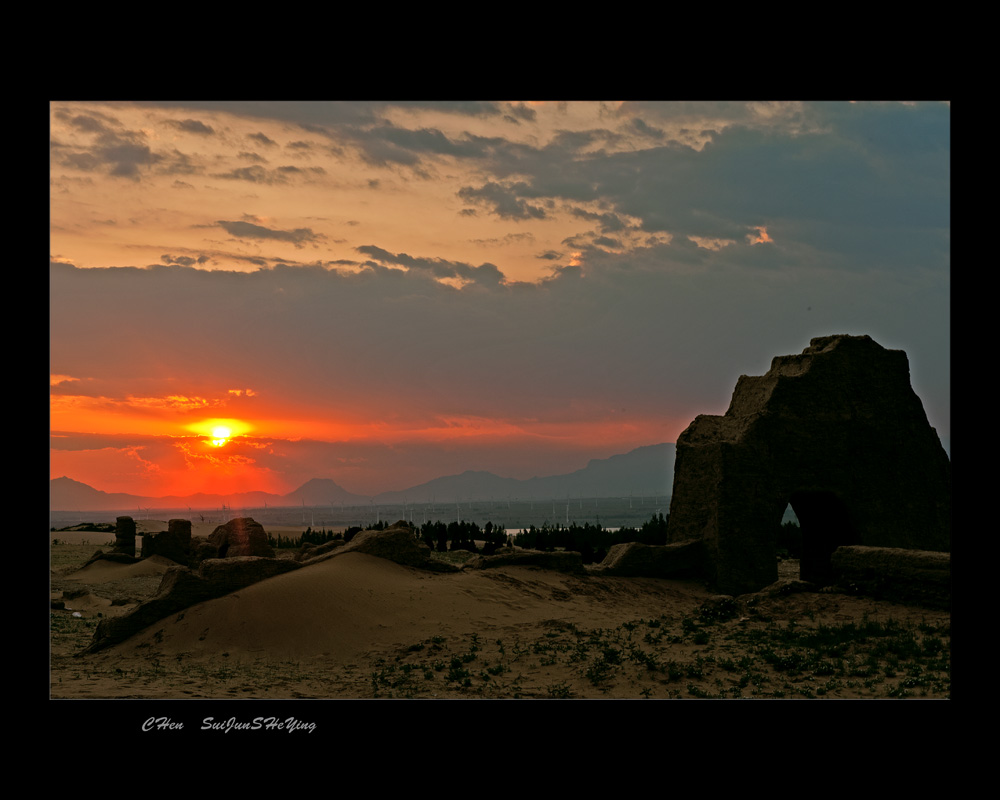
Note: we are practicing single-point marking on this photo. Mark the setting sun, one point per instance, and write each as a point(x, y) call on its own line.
point(219, 431)
point(221, 434)
point(293, 297)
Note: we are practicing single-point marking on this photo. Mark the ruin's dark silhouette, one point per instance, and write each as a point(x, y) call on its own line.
point(837, 432)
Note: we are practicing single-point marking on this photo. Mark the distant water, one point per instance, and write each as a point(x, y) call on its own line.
point(608, 512)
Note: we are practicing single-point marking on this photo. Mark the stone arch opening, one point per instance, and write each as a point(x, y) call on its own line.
point(838, 431)
point(825, 524)
point(789, 535)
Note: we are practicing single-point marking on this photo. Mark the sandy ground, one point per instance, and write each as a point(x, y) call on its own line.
point(360, 627)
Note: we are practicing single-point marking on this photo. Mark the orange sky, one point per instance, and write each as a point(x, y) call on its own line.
point(178, 452)
point(383, 293)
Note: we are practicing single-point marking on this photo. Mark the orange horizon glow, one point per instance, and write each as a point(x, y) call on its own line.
point(128, 470)
point(181, 450)
point(220, 428)
point(245, 295)
point(218, 431)
point(202, 460)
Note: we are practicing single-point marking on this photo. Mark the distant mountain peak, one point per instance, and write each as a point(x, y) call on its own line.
point(644, 470)
point(320, 491)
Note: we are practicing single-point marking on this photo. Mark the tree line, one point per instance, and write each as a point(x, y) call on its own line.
point(592, 541)
point(463, 536)
point(309, 536)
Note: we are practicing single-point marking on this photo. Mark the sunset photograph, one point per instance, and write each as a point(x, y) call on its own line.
point(271, 321)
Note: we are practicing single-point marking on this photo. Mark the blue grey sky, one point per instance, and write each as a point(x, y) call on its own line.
point(381, 293)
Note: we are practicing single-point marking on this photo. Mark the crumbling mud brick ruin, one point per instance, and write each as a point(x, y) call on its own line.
point(837, 432)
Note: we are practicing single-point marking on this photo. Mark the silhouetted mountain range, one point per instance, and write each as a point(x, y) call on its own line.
point(644, 471)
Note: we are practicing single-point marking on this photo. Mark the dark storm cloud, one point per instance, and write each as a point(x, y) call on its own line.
point(177, 163)
point(277, 176)
point(86, 162)
point(191, 126)
point(254, 174)
point(569, 143)
point(503, 200)
point(125, 158)
point(390, 144)
point(519, 112)
point(421, 140)
point(185, 261)
point(608, 222)
point(120, 155)
point(472, 108)
point(643, 128)
point(291, 169)
point(88, 123)
point(91, 120)
point(249, 230)
point(485, 274)
point(263, 139)
point(113, 148)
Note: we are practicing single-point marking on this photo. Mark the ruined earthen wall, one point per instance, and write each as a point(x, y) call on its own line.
point(838, 432)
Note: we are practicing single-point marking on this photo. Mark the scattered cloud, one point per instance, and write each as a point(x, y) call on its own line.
point(503, 200)
point(185, 261)
point(191, 126)
point(248, 230)
point(530, 263)
point(262, 139)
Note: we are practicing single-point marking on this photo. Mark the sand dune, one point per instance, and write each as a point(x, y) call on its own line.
point(104, 571)
point(88, 602)
point(357, 603)
point(359, 626)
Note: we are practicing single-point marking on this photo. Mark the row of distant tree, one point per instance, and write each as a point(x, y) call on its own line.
point(309, 536)
point(592, 541)
point(463, 536)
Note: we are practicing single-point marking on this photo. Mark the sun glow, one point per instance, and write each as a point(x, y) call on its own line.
point(219, 431)
point(221, 434)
